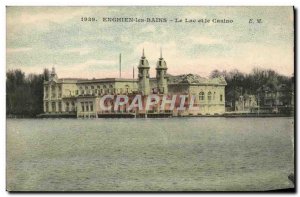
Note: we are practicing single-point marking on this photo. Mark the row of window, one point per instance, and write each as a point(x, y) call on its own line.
point(93, 92)
point(53, 95)
point(87, 106)
point(53, 92)
point(69, 106)
point(210, 96)
point(92, 87)
point(53, 88)
point(102, 91)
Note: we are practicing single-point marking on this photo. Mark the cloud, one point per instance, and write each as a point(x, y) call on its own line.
point(38, 19)
point(80, 51)
point(36, 15)
point(39, 36)
point(17, 50)
point(203, 40)
point(91, 62)
point(149, 29)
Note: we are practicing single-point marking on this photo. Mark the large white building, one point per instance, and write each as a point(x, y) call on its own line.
point(80, 97)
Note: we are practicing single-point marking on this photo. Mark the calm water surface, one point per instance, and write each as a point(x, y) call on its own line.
point(149, 154)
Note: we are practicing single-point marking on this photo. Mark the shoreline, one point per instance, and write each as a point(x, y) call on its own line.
point(129, 115)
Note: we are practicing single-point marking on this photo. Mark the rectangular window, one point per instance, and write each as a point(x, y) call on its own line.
point(221, 97)
point(53, 107)
point(87, 106)
point(73, 106)
point(91, 106)
point(59, 106)
point(67, 107)
point(82, 106)
point(47, 107)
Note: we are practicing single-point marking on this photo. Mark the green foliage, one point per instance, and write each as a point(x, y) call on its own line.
point(24, 94)
point(239, 83)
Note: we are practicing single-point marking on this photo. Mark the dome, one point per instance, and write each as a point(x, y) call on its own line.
point(161, 63)
point(143, 61)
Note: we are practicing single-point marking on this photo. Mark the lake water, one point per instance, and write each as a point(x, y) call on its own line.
point(176, 154)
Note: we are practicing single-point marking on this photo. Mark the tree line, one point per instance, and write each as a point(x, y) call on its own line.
point(239, 83)
point(24, 93)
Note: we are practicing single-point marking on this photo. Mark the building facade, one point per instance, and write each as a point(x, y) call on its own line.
point(81, 97)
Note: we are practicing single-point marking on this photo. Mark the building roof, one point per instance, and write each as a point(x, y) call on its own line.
point(107, 80)
point(143, 61)
point(179, 79)
point(195, 79)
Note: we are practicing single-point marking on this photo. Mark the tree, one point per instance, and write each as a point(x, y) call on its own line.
point(24, 94)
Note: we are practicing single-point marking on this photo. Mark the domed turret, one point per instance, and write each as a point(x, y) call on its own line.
point(143, 77)
point(161, 75)
point(143, 61)
point(53, 75)
point(161, 63)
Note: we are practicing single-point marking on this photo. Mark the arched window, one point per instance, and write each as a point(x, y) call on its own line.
point(127, 88)
point(209, 96)
point(201, 96)
point(53, 91)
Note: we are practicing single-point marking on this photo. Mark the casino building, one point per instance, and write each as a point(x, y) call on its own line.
point(77, 97)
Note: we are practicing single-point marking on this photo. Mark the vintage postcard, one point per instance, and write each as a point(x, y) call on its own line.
point(150, 99)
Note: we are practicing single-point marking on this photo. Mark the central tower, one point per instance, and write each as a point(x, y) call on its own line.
point(143, 82)
point(161, 75)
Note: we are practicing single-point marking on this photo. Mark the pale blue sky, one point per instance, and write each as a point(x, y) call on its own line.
point(39, 37)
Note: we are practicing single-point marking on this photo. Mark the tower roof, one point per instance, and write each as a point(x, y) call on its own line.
point(161, 63)
point(53, 70)
point(143, 61)
point(53, 75)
